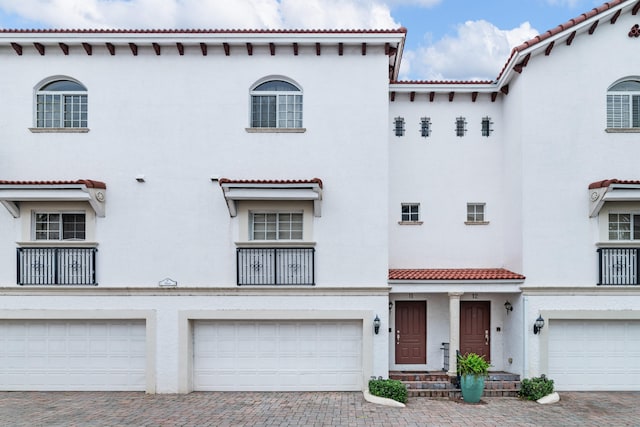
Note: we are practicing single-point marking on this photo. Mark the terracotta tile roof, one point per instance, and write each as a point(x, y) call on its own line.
point(454, 274)
point(443, 82)
point(89, 183)
point(271, 181)
point(608, 182)
point(203, 31)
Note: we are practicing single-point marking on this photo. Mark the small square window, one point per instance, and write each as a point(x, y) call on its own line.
point(425, 127)
point(461, 126)
point(410, 212)
point(475, 213)
point(486, 126)
point(399, 126)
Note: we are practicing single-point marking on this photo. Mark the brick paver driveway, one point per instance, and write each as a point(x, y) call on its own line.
point(306, 409)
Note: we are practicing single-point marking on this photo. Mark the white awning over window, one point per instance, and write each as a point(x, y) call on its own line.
point(286, 190)
point(14, 192)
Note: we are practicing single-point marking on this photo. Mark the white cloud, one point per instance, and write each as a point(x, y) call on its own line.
point(206, 13)
point(477, 52)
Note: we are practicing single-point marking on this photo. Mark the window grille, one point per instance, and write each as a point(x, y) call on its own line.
point(486, 126)
point(410, 212)
point(399, 126)
point(425, 127)
point(461, 126)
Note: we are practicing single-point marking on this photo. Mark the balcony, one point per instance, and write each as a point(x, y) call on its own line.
point(275, 266)
point(618, 266)
point(56, 266)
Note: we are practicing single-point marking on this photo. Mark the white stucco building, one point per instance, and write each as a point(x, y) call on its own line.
point(231, 210)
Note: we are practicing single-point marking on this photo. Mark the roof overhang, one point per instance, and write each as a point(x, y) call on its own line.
point(611, 191)
point(283, 190)
point(14, 192)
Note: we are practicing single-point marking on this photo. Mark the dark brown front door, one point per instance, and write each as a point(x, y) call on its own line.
point(411, 332)
point(475, 328)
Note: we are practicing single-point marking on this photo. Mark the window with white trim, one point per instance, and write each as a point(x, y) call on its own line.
point(59, 226)
point(461, 126)
point(276, 225)
point(398, 126)
point(623, 105)
point(476, 213)
point(61, 104)
point(486, 126)
point(425, 127)
point(276, 104)
point(410, 212)
point(624, 226)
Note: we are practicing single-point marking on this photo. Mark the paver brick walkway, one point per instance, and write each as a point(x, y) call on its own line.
point(53, 409)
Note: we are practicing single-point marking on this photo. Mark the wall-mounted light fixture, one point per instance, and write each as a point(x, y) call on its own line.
point(376, 325)
point(508, 307)
point(390, 305)
point(140, 178)
point(538, 325)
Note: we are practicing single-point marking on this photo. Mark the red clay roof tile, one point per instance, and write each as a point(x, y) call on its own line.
point(89, 183)
point(454, 274)
point(608, 182)
point(271, 181)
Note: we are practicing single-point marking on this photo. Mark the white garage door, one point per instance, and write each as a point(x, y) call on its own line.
point(277, 355)
point(72, 355)
point(594, 354)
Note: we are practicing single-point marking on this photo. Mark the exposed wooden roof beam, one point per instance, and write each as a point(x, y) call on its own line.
point(227, 48)
point(180, 47)
point(393, 96)
point(412, 96)
point(635, 9)
point(386, 49)
point(17, 48)
point(518, 67)
point(40, 48)
point(570, 39)
point(615, 17)
point(272, 48)
point(340, 49)
point(505, 89)
point(317, 49)
point(203, 48)
point(111, 48)
point(295, 49)
point(156, 47)
point(494, 95)
point(451, 95)
point(432, 96)
point(64, 47)
point(474, 96)
point(547, 51)
point(88, 48)
point(364, 49)
point(249, 49)
point(134, 48)
point(593, 27)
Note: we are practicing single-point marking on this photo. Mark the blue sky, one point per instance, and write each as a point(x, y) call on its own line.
point(446, 40)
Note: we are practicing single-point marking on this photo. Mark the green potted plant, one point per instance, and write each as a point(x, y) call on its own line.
point(472, 370)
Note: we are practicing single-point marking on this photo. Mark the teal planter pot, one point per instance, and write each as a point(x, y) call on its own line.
point(472, 387)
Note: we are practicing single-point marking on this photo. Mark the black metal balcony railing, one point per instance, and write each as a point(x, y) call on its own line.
point(618, 266)
point(57, 266)
point(275, 266)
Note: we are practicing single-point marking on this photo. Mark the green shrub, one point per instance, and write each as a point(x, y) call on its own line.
point(472, 364)
point(535, 388)
point(391, 389)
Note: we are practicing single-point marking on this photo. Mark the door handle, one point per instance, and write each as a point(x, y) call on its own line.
point(486, 337)
point(398, 337)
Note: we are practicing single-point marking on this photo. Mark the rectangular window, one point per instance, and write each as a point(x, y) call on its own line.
point(58, 110)
point(410, 212)
point(59, 226)
point(276, 226)
point(475, 212)
point(486, 126)
point(425, 127)
point(399, 126)
point(270, 111)
point(623, 111)
point(461, 126)
point(624, 226)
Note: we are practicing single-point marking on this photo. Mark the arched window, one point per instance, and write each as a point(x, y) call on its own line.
point(623, 105)
point(61, 104)
point(276, 104)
